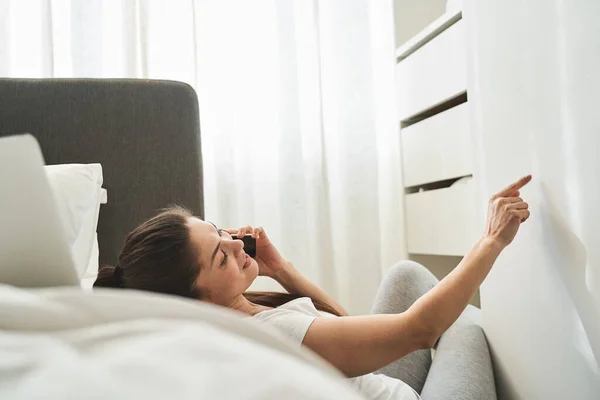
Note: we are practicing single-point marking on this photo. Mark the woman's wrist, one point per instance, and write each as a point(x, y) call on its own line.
point(492, 243)
point(284, 273)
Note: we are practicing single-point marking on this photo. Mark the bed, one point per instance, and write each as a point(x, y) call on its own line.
point(68, 343)
point(145, 133)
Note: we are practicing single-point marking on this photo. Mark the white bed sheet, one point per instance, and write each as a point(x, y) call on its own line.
point(64, 343)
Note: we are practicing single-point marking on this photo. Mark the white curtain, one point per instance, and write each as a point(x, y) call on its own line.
point(534, 88)
point(298, 122)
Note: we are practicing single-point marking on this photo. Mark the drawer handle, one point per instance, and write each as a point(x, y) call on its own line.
point(438, 184)
point(438, 108)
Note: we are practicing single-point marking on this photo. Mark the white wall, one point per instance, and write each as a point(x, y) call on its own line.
point(534, 85)
point(411, 16)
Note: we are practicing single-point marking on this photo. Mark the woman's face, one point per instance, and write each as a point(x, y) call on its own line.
point(226, 271)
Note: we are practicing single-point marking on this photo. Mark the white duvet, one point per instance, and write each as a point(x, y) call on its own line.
point(68, 344)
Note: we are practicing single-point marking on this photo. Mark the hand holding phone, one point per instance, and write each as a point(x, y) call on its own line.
point(249, 244)
point(258, 246)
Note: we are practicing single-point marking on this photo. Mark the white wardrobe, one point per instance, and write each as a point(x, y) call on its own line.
point(522, 99)
point(441, 200)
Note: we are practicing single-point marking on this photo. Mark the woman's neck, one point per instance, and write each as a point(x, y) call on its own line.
point(242, 304)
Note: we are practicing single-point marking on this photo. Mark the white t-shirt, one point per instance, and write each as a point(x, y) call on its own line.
point(295, 317)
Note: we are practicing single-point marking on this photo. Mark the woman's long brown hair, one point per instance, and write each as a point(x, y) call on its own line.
point(158, 256)
point(276, 299)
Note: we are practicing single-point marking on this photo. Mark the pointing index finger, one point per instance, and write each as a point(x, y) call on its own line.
point(514, 187)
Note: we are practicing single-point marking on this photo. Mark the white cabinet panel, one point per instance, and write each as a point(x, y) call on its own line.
point(432, 74)
point(442, 221)
point(437, 148)
point(536, 79)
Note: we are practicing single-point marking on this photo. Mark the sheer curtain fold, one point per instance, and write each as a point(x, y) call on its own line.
point(297, 112)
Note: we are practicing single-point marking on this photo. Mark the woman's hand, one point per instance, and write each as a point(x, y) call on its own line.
point(506, 212)
point(267, 257)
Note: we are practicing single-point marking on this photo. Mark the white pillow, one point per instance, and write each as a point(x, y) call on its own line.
point(91, 273)
point(78, 193)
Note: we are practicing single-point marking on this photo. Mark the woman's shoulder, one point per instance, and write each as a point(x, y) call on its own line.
point(292, 318)
point(303, 305)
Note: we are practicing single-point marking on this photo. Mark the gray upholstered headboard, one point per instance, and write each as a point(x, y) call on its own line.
point(145, 133)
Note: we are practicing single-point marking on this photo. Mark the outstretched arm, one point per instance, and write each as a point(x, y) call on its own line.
point(360, 345)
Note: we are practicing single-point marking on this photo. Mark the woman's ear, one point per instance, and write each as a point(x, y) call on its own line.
point(200, 293)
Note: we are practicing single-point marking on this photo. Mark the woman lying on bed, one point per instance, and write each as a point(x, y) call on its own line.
point(176, 253)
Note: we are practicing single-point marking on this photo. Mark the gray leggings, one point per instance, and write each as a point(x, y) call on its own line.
point(462, 367)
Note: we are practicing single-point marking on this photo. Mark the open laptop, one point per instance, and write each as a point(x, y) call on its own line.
point(34, 251)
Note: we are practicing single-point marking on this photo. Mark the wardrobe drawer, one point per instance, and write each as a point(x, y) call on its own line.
point(437, 148)
point(433, 73)
point(443, 221)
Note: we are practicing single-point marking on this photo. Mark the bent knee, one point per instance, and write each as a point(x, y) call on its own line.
point(411, 273)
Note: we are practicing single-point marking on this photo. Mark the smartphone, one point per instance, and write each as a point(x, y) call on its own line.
point(249, 244)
